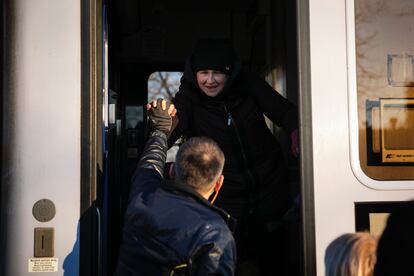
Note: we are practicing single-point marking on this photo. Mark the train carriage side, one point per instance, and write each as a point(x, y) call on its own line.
point(75, 79)
point(362, 115)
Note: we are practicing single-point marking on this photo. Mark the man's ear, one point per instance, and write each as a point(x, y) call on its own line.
point(219, 183)
point(171, 171)
point(217, 187)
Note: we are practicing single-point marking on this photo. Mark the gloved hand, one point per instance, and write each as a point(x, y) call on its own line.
point(160, 113)
point(294, 137)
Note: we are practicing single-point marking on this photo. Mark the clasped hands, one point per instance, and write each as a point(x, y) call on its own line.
point(160, 114)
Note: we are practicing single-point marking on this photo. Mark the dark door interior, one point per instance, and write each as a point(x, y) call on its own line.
point(155, 36)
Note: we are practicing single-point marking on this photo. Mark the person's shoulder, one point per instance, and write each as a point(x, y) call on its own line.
point(208, 217)
point(216, 225)
point(207, 214)
point(247, 81)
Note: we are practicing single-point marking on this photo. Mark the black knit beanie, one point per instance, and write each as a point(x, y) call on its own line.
point(211, 54)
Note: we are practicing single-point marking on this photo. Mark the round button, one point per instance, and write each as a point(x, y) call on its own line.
point(44, 210)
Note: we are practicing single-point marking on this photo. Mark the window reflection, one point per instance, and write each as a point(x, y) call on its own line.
point(385, 79)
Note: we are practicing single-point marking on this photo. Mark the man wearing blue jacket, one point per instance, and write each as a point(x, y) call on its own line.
point(171, 228)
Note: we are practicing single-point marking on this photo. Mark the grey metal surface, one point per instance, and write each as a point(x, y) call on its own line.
point(306, 160)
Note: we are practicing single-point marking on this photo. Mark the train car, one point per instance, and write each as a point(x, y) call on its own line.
point(361, 93)
point(75, 76)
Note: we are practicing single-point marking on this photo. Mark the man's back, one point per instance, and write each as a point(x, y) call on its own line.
point(170, 227)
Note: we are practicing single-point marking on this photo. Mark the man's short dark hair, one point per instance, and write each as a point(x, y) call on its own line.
point(199, 162)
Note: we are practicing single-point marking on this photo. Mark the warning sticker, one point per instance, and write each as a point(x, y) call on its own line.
point(43, 265)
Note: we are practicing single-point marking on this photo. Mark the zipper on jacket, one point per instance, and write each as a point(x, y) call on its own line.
point(252, 185)
point(229, 118)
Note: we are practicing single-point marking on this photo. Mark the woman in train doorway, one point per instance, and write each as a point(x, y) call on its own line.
point(219, 99)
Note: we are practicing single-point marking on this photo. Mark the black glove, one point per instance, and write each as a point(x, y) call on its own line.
point(158, 118)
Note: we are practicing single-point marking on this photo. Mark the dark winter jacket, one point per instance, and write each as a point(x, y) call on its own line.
point(255, 176)
point(169, 227)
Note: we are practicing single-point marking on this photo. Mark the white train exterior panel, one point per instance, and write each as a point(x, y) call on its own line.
point(43, 81)
point(336, 186)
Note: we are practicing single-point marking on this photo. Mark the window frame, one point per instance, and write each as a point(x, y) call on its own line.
point(353, 113)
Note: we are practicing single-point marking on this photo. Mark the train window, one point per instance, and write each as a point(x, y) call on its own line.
point(384, 85)
point(163, 85)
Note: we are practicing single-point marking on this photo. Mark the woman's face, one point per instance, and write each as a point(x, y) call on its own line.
point(211, 82)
